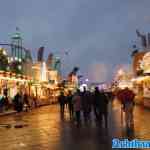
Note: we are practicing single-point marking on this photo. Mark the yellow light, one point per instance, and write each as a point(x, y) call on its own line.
point(35, 67)
point(11, 58)
point(120, 72)
point(19, 67)
point(13, 79)
point(4, 52)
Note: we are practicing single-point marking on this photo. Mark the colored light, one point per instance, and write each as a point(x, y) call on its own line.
point(19, 67)
point(20, 60)
point(86, 80)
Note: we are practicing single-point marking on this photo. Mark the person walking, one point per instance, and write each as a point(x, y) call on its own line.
point(61, 100)
point(18, 102)
point(100, 106)
point(77, 106)
point(70, 103)
point(96, 103)
point(6, 100)
point(104, 107)
point(127, 100)
point(86, 104)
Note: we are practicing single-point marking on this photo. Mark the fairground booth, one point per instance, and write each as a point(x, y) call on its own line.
point(141, 82)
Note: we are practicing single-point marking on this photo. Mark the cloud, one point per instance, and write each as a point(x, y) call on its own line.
point(98, 32)
point(98, 72)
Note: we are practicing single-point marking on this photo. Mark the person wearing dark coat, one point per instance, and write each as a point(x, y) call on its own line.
point(18, 103)
point(70, 103)
point(86, 104)
point(100, 106)
point(96, 98)
point(62, 100)
point(104, 107)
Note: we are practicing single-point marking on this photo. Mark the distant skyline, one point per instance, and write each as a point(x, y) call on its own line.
point(99, 34)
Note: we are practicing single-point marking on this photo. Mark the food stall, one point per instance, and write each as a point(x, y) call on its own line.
point(143, 81)
point(13, 83)
point(141, 87)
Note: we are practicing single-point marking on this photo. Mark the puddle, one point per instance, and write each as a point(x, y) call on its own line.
point(20, 125)
point(13, 125)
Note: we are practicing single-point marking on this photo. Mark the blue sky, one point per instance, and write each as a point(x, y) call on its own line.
point(98, 33)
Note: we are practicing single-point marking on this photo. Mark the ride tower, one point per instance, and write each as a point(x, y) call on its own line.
point(16, 45)
point(57, 64)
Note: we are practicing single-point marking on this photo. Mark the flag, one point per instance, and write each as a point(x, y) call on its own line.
point(143, 38)
point(138, 33)
point(40, 54)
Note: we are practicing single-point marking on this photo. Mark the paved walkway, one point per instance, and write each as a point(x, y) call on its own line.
point(43, 129)
point(141, 123)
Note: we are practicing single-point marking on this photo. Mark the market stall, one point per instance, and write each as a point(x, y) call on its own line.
point(141, 87)
point(13, 83)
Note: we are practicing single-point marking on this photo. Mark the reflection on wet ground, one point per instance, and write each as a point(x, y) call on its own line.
point(45, 129)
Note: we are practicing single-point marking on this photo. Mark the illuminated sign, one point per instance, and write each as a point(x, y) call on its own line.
point(145, 63)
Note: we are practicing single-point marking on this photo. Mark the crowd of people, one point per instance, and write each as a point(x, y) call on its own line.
point(80, 105)
point(20, 102)
point(84, 103)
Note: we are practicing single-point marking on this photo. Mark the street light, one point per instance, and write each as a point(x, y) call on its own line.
point(19, 67)
point(16, 58)
point(87, 80)
point(4, 52)
point(11, 59)
point(20, 60)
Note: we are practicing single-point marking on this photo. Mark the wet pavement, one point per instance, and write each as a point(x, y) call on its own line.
point(141, 123)
point(44, 129)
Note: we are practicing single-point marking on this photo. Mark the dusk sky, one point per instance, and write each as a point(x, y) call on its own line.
point(98, 33)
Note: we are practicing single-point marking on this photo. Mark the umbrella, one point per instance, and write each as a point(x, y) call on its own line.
point(125, 95)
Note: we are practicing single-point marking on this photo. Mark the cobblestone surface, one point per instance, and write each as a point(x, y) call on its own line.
point(44, 129)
